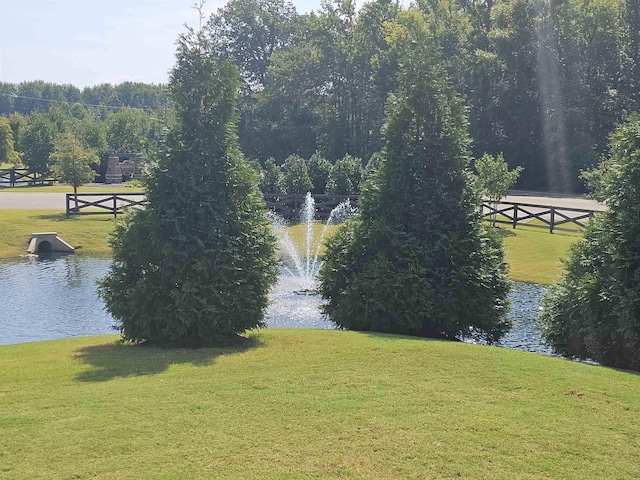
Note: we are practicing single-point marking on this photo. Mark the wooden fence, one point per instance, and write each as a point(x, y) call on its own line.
point(12, 177)
point(549, 217)
point(102, 203)
point(289, 207)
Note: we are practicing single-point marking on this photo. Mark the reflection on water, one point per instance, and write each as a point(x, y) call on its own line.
point(43, 298)
point(55, 297)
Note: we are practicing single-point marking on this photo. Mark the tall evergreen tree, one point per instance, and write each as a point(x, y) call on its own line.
point(417, 260)
point(196, 265)
point(593, 311)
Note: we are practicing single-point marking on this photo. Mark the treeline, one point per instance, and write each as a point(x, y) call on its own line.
point(128, 118)
point(39, 96)
point(545, 81)
point(30, 140)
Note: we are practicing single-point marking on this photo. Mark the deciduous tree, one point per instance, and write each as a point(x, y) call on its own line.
point(71, 162)
point(7, 146)
point(295, 178)
point(495, 179)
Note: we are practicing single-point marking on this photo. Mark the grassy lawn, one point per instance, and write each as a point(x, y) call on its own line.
point(68, 189)
point(533, 254)
point(88, 232)
point(312, 404)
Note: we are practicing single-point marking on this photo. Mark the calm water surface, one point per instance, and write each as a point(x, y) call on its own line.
point(50, 298)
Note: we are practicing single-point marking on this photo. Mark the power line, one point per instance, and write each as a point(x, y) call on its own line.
point(48, 100)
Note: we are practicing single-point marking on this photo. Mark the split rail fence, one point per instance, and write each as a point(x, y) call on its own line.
point(103, 203)
point(289, 207)
point(14, 177)
point(549, 217)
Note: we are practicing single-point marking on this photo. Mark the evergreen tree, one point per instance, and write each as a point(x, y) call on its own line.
point(593, 311)
point(417, 260)
point(196, 265)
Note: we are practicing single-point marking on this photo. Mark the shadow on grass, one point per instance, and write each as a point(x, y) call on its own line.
point(112, 360)
point(505, 232)
point(55, 217)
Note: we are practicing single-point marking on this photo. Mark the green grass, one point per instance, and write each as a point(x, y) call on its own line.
point(69, 189)
point(311, 404)
point(90, 233)
point(534, 255)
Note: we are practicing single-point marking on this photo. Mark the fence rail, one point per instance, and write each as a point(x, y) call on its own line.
point(289, 206)
point(551, 217)
point(102, 203)
point(12, 177)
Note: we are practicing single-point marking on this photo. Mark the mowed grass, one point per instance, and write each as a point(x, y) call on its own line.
point(534, 255)
point(312, 404)
point(89, 233)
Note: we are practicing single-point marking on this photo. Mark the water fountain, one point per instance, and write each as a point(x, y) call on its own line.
point(292, 301)
point(305, 266)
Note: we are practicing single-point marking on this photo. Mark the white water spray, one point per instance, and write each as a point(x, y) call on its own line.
point(305, 268)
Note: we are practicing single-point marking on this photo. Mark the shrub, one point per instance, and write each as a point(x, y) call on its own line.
point(495, 180)
point(196, 265)
point(319, 168)
point(296, 176)
point(594, 310)
point(416, 259)
point(344, 176)
point(271, 177)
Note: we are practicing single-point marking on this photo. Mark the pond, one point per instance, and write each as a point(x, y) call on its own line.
point(55, 297)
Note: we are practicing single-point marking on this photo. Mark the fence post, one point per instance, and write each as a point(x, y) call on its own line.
point(515, 215)
point(12, 177)
point(67, 200)
point(115, 206)
point(553, 218)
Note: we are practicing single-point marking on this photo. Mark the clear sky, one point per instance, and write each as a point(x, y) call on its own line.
point(87, 42)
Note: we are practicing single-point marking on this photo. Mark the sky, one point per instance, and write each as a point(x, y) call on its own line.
point(88, 42)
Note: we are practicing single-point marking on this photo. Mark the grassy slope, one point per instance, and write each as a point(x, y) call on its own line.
point(312, 404)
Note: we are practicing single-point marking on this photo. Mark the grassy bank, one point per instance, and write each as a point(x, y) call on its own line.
point(533, 254)
point(311, 404)
point(89, 233)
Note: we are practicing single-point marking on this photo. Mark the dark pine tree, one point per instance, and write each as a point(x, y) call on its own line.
point(417, 259)
point(195, 266)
